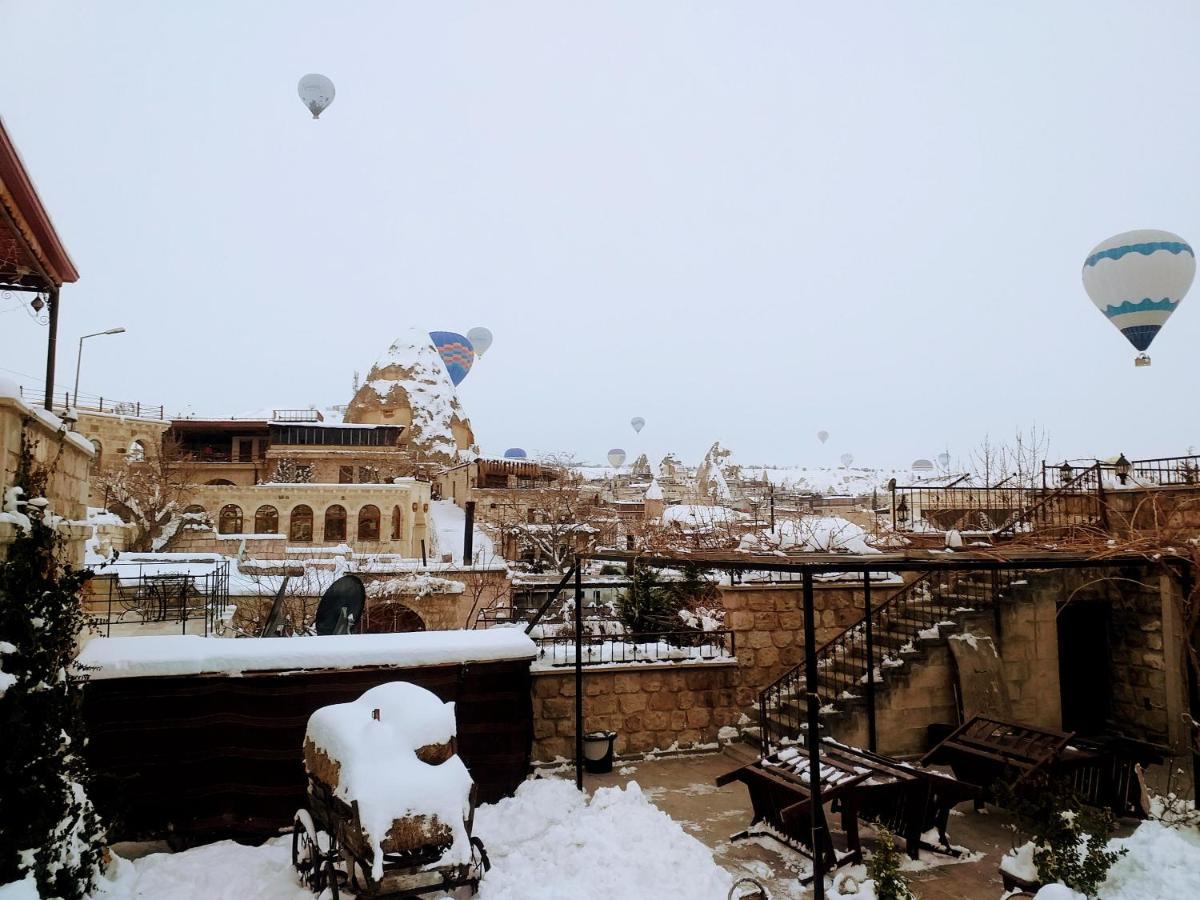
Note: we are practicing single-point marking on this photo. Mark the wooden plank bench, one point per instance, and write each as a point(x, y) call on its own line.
point(907, 799)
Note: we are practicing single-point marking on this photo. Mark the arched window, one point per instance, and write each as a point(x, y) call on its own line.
point(266, 520)
point(368, 523)
point(335, 523)
point(194, 510)
point(230, 520)
point(220, 482)
point(99, 457)
point(397, 524)
point(137, 452)
point(300, 527)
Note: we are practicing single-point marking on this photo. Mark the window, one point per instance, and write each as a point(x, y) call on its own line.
point(300, 527)
point(220, 481)
point(345, 474)
point(137, 452)
point(368, 523)
point(266, 520)
point(230, 520)
point(335, 523)
point(193, 510)
point(397, 524)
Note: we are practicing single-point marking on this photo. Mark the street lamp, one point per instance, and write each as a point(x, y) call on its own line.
point(79, 358)
point(1065, 473)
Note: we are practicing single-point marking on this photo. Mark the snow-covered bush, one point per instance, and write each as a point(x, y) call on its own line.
point(48, 827)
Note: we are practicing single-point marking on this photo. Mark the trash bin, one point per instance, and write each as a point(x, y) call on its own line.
point(598, 751)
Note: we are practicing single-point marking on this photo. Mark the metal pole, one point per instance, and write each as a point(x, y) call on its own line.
point(51, 347)
point(578, 674)
point(870, 662)
point(814, 737)
point(78, 365)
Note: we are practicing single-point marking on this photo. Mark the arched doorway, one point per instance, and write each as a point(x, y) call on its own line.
point(391, 618)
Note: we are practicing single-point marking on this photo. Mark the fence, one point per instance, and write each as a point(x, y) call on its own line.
point(158, 595)
point(661, 647)
point(1166, 470)
point(94, 403)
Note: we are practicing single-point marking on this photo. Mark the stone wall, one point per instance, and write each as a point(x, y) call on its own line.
point(112, 436)
point(768, 625)
point(649, 706)
point(66, 455)
point(1169, 509)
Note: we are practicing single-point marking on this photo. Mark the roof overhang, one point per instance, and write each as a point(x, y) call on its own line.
point(32, 256)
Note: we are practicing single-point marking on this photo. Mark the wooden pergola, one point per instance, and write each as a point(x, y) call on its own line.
point(32, 256)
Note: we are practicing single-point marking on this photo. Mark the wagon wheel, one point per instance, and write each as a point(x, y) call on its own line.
point(306, 852)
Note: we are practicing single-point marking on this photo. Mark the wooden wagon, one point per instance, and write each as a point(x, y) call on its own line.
point(331, 852)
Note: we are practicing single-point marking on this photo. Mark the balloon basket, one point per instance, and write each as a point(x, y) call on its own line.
point(1142, 360)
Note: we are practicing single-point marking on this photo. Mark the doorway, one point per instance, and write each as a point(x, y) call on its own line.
point(1085, 666)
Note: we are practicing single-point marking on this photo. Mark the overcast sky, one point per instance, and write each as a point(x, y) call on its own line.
point(742, 221)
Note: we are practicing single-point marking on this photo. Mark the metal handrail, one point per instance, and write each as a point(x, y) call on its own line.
point(94, 403)
point(660, 646)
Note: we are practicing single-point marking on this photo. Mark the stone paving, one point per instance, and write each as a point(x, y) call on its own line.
point(684, 788)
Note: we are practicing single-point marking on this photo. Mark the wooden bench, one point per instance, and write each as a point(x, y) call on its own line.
point(907, 799)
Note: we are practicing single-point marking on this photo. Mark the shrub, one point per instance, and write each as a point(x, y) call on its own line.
point(884, 868)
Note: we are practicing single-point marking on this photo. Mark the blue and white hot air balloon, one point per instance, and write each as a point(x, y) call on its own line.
point(1137, 279)
point(457, 353)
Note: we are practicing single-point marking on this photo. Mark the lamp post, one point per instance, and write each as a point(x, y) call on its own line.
point(79, 358)
point(1123, 468)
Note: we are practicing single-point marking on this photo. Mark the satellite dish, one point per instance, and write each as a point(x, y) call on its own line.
point(616, 457)
point(273, 627)
point(316, 93)
point(341, 607)
point(481, 340)
point(515, 453)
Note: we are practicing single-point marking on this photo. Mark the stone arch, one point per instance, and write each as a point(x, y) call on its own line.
point(229, 520)
point(368, 523)
point(220, 482)
point(335, 523)
point(266, 520)
point(300, 523)
point(391, 618)
point(98, 458)
point(136, 452)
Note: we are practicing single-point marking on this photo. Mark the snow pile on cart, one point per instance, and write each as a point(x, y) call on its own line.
point(389, 798)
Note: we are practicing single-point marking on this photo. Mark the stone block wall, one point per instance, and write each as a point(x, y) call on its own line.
point(1169, 509)
point(112, 436)
point(768, 625)
point(649, 706)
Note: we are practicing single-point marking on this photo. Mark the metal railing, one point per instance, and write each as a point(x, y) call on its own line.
point(150, 595)
point(896, 627)
point(1077, 501)
point(94, 403)
point(681, 647)
point(1166, 470)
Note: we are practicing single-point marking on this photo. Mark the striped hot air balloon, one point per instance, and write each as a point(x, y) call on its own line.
point(457, 353)
point(1137, 279)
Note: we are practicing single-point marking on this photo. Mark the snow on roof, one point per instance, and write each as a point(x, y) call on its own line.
point(691, 516)
point(188, 654)
point(374, 740)
point(815, 534)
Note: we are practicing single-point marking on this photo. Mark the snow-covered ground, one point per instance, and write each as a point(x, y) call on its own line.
point(548, 842)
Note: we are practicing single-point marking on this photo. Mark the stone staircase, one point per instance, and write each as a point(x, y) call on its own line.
point(912, 668)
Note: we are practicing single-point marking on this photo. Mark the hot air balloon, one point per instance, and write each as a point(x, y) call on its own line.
point(822, 436)
point(481, 340)
point(922, 465)
point(1137, 279)
point(316, 93)
point(456, 352)
point(847, 458)
point(944, 460)
point(515, 453)
point(638, 423)
point(616, 457)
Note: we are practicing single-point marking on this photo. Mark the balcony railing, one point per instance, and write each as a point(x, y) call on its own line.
point(94, 403)
point(682, 647)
